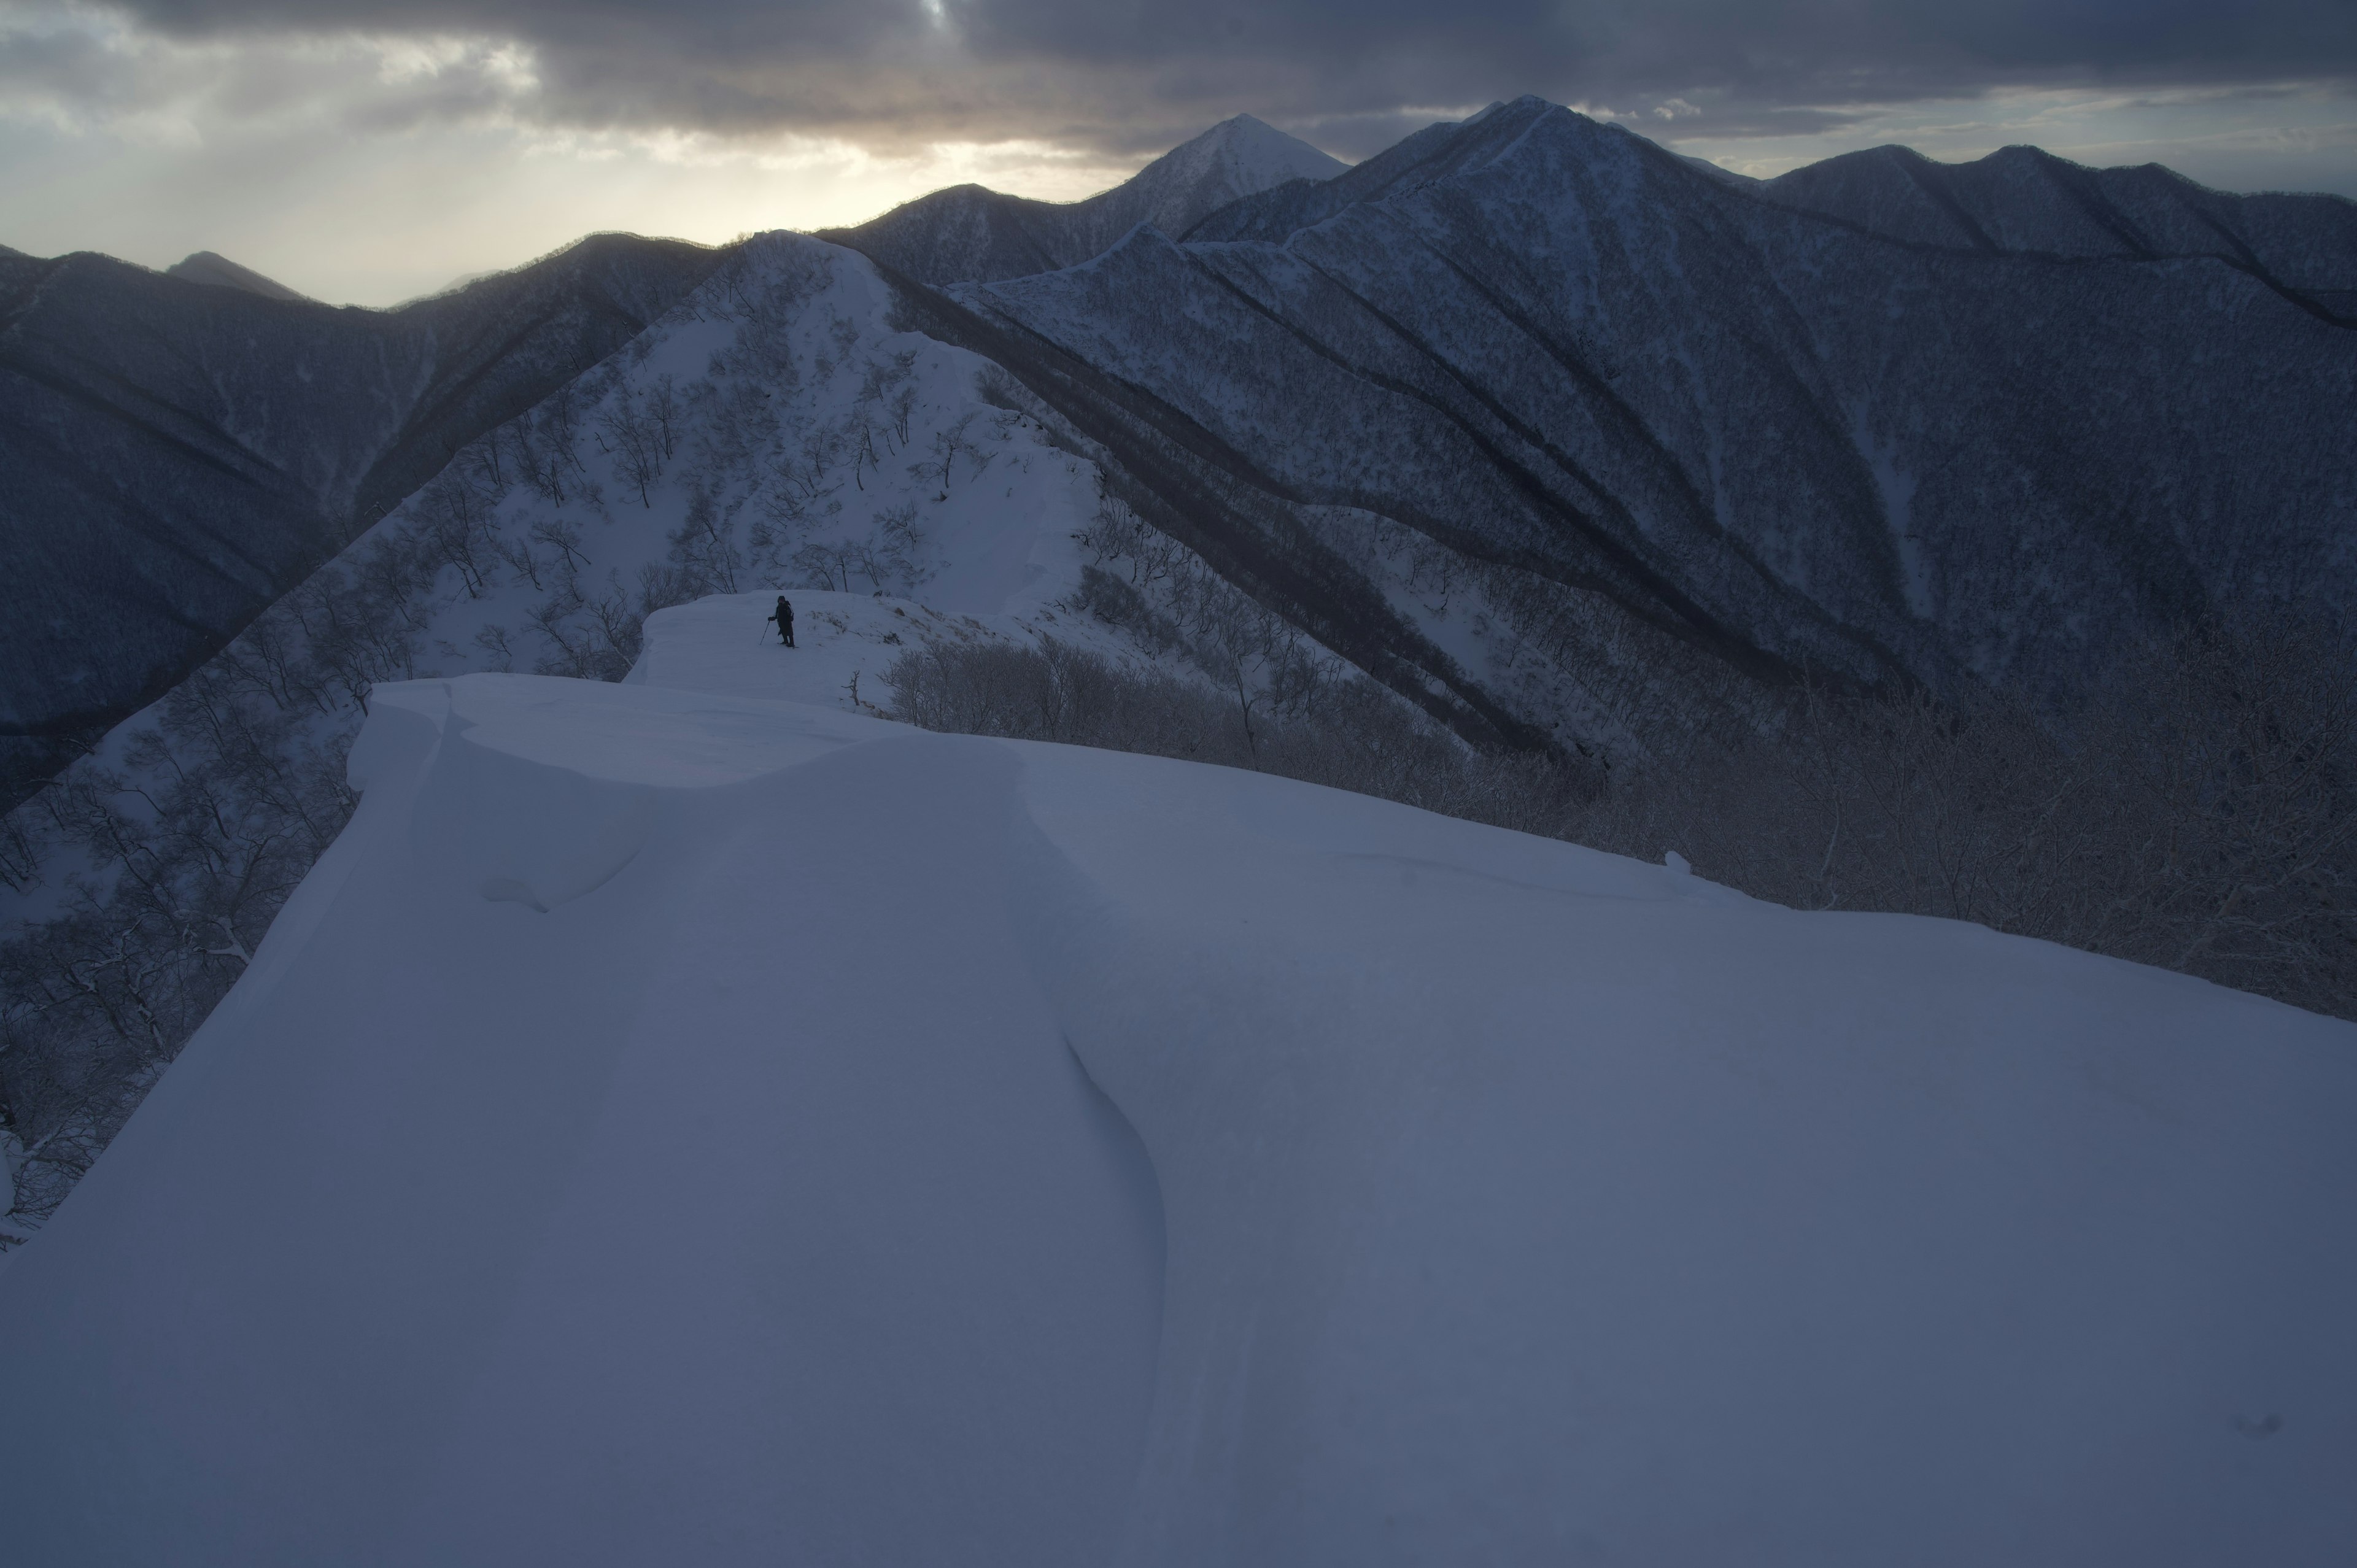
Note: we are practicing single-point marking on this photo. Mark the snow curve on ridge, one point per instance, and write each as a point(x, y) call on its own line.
point(915, 1148)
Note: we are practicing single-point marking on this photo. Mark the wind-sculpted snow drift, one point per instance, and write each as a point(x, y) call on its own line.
point(678, 1126)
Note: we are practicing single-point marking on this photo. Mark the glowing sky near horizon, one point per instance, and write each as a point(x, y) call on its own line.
point(367, 153)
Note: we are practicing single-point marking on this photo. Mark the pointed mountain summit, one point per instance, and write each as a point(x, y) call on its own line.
point(209, 267)
point(970, 233)
point(1234, 158)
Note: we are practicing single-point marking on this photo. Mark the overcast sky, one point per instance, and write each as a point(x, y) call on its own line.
point(371, 150)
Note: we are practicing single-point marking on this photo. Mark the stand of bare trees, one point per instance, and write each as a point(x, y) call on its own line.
point(2199, 814)
point(186, 853)
point(1356, 736)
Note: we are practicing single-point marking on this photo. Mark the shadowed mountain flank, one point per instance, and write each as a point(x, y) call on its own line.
point(1627, 432)
point(180, 454)
point(2025, 201)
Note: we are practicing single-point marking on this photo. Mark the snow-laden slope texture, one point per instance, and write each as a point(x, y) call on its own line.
point(1533, 412)
point(180, 454)
point(211, 267)
point(970, 232)
point(681, 1127)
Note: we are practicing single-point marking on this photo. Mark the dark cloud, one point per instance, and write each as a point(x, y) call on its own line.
point(64, 65)
point(1130, 75)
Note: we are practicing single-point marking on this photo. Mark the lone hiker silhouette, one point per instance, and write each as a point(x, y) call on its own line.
point(784, 615)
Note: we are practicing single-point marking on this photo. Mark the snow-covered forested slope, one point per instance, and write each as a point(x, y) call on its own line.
point(1534, 413)
point(681, 1126)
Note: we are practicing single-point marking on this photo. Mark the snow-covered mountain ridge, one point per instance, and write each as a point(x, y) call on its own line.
point(676, 1125)
point(777, 429)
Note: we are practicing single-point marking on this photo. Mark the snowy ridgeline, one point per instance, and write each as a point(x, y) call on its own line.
point(777, 430)
point(774, 431)
point(678, 1125)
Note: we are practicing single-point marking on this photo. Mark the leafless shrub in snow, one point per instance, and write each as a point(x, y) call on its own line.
point(2201, 815)
point(637, 440)
point(219, 810)
point(1359, 737)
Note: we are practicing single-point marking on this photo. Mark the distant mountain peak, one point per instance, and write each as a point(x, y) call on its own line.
point(1254, 144)
point(1239, 157)
point(209, 267)
point(970, 233)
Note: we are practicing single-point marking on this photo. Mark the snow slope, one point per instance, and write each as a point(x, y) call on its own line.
point(674, 1125)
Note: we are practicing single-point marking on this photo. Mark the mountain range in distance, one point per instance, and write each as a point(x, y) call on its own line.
point(1879, 420)
point(1526, 417)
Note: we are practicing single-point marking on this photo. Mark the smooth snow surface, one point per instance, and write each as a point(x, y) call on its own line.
point(685, 1126)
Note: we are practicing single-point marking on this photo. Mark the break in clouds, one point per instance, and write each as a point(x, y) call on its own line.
point(1121, 79)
